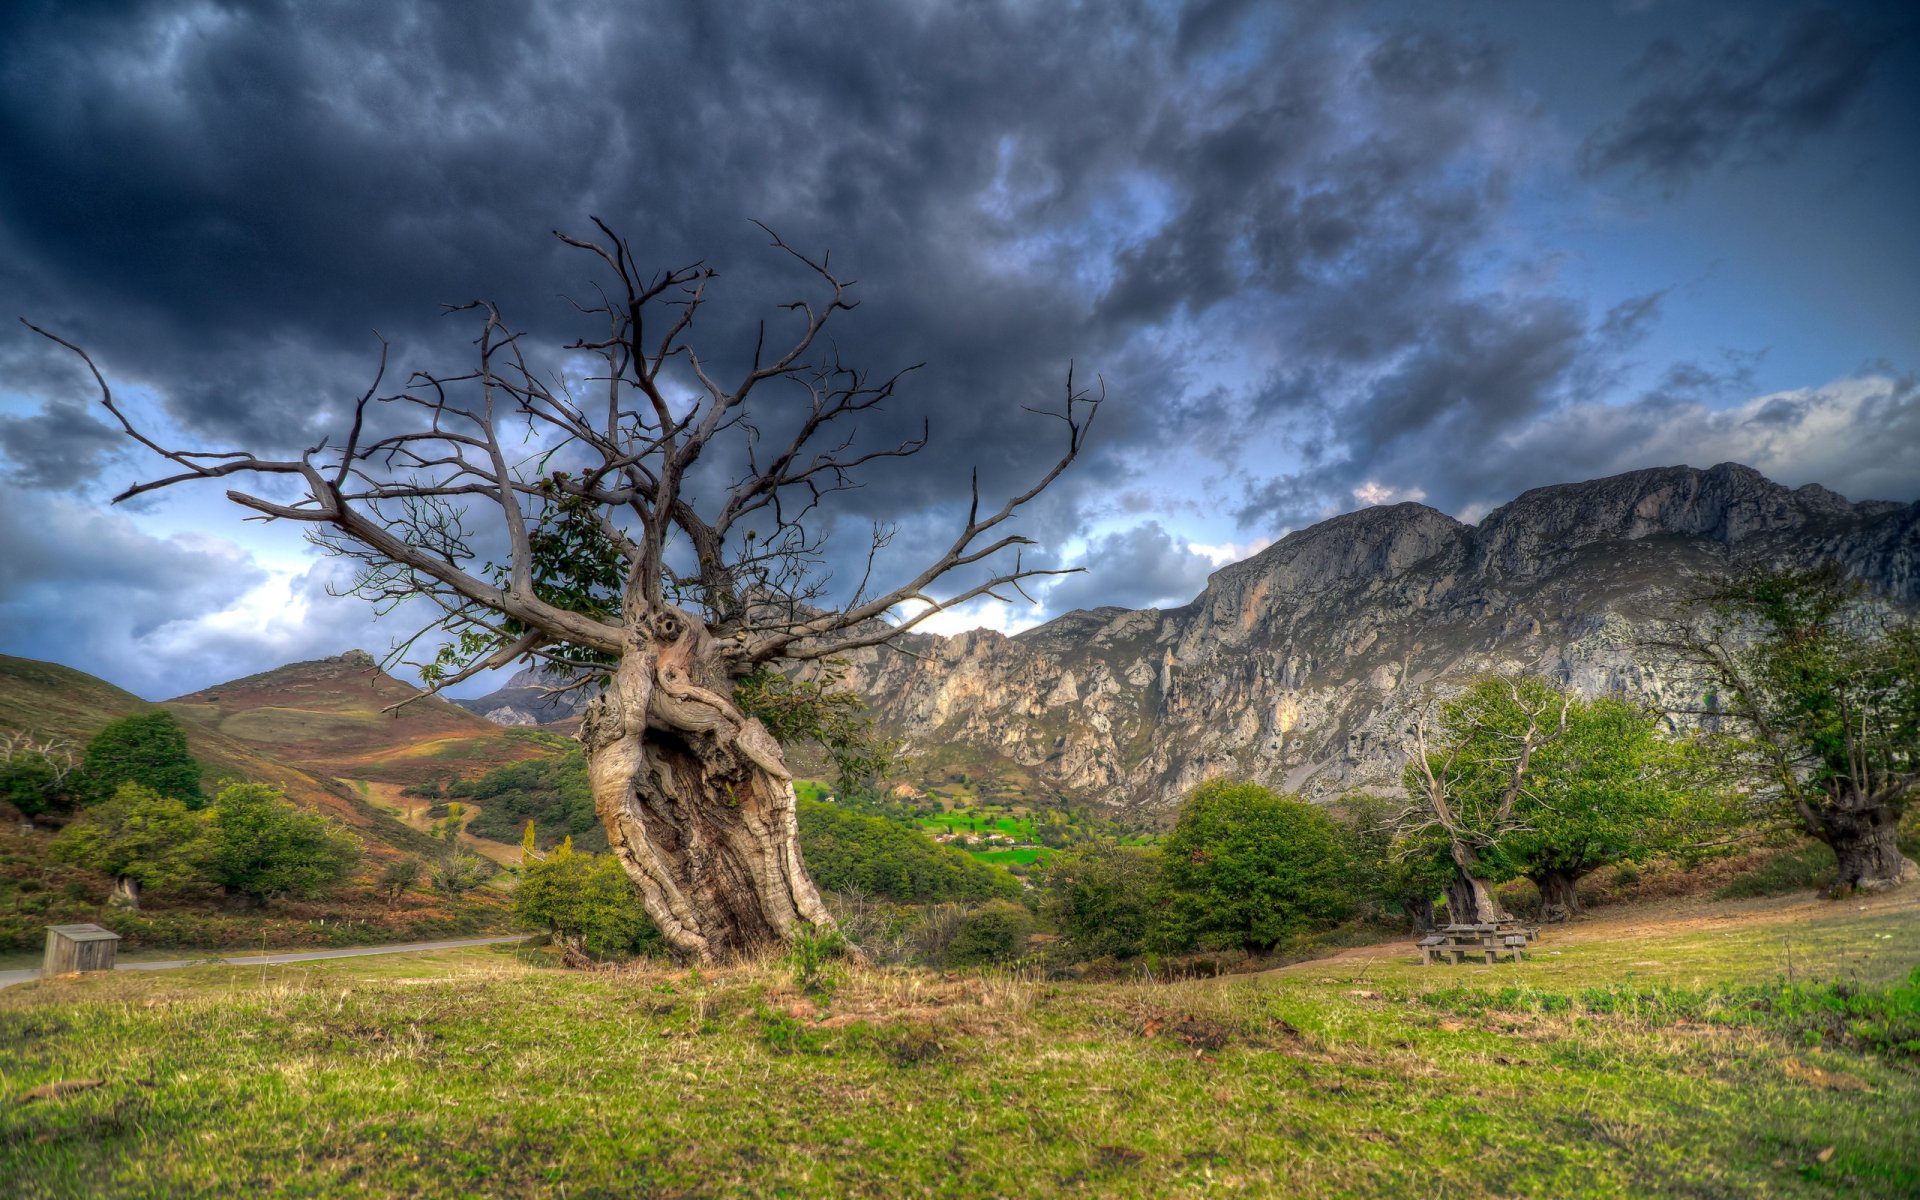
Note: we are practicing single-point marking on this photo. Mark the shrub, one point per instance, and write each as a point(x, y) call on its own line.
point(1106, 899)
point(400, 877)
point(996, 932)
point(459, 873)
point(258, 845)
point(141, 838)
point(587, 903)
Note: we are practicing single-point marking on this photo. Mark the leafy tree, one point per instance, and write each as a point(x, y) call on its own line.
point(1816, 691)
point(401, 876)
point(1106, 899)
point(664, 534)
point(852, 852)
point(996, 932)
point(258, 845)
point(1613, 789)
point(458, 873)
point(587, 903)
point(141, 838)
point(1250, 867)
point(1390, 874)
point(1469, 782)
point(816, 710)
point(149, 749)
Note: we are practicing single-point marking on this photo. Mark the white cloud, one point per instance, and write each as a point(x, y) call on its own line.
point(1378, 493)
point(1859, 436)
point(1230, 552)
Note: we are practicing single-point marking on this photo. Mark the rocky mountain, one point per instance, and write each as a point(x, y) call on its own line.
point(1298, 667)
point(529, 698)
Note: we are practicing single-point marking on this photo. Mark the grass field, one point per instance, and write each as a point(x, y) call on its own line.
point(1654, 1052)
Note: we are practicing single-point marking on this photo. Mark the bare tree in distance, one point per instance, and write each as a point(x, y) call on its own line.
point(614, 565)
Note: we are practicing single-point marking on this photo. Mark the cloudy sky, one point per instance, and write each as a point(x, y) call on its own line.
point(1323, 255)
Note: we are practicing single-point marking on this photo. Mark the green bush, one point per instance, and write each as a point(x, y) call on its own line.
point(1106, 900)
point(140, 838)
point(1812, 866)
point(1250, 868)
point(258, 845)
point(996, 932)
point(33, 783)
point(585, 900)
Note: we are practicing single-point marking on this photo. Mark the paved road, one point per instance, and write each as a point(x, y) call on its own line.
point(8, 978)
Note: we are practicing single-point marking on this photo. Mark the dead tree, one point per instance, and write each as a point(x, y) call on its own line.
point(1469, 779)
point(614, 567)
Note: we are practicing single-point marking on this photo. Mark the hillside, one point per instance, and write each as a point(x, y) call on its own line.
point(329, 717)
point(49, 700)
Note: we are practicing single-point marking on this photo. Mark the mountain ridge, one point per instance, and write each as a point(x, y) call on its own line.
point(1298, 665)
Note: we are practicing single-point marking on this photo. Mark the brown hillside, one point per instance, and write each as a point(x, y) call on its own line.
point(329, 717)
point(49, 700)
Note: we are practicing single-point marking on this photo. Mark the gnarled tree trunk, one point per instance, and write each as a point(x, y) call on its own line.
point(1559, 893)
point(696, 798)
point(1470, 899)
point(126, 893)
point(1865, 840)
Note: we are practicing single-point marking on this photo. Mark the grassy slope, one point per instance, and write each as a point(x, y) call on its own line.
point(476, 1074)
point(328, 717)
point(51, 700)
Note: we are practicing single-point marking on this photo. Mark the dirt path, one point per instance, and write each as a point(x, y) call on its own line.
point(8, 978)
point(412, 812)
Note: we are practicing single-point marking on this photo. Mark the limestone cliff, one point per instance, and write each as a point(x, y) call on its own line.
point(1298, 666)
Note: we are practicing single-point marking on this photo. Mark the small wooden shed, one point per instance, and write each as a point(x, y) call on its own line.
point(79, 948)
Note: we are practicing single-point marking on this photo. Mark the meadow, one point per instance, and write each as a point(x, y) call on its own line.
point(1753, 1048)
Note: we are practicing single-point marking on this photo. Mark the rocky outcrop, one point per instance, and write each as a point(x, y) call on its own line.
point(529, 699)
point(1299, 666)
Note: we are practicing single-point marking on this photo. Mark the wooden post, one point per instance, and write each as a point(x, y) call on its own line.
point(78, 948)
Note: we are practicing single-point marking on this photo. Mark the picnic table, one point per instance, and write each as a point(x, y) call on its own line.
point(1489, 940)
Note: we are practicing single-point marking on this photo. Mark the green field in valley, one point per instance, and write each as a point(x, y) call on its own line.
point(1648, 1052)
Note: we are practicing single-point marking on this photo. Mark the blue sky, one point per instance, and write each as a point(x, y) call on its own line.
point(1322, 255)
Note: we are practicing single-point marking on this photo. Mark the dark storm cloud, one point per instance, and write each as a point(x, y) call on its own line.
point(1274, 231)
point(223, 202)
point(1141, 567)
point(1737, 100)
point(60, 448)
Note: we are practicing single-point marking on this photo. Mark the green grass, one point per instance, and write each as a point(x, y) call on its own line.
point(1810, 866)
point(1630, 1065)
point(1027, 855)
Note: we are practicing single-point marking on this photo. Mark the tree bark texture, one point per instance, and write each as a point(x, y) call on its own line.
point(1470, 899)
point(1559, 894)
point(1865, 841)
point(696, 799)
